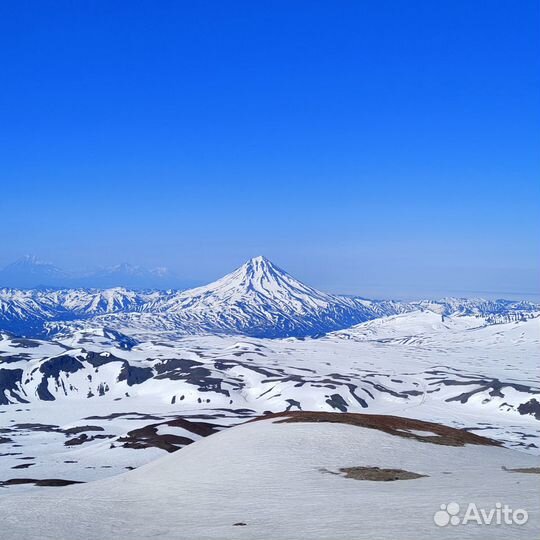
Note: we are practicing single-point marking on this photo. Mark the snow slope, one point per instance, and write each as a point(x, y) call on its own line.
point(107, 385)
point(283, 480)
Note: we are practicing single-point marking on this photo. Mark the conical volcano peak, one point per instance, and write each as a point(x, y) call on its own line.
point(30, 271)
point(262, 286)
point(260, 262)
point(261, 274)
point(261, 299)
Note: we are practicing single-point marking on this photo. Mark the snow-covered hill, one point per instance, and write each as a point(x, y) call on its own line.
point(333, 476)
point(392, 362)
point(93, 402)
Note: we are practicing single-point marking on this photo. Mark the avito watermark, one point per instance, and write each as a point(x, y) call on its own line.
point(500, 514)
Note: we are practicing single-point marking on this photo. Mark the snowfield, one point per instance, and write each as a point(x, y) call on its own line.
point(268, 479)
point(87, 406)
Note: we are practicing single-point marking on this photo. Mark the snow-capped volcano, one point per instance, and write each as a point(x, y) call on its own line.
point(260, 299)
point(258, 281)
point(29, 271)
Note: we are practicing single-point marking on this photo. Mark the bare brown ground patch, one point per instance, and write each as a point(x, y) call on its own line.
point(526, 470)
point(148, 436)
point(393, 425)
point(376, 474)
point(46, 482)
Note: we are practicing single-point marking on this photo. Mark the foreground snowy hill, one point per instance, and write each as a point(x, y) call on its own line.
point(258, 299)
point(320, 476)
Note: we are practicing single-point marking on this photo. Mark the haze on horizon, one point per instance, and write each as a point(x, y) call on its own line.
point(383, 150)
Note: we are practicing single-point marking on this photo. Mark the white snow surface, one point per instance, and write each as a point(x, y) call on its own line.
point(277, 480)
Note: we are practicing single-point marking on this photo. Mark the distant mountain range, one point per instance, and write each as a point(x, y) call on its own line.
point(259, 299)
point(29, 272)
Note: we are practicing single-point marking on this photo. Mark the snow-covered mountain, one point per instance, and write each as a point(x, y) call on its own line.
point(494, 310)
point(25, 312)
point(259, 299)
point(128, 276)
point(29, 271)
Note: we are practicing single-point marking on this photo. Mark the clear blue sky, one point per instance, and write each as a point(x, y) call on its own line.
point(377, 147)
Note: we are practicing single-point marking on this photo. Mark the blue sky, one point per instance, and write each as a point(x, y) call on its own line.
point(386, 148)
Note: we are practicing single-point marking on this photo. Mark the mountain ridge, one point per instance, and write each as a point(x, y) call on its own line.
point(258, 299)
